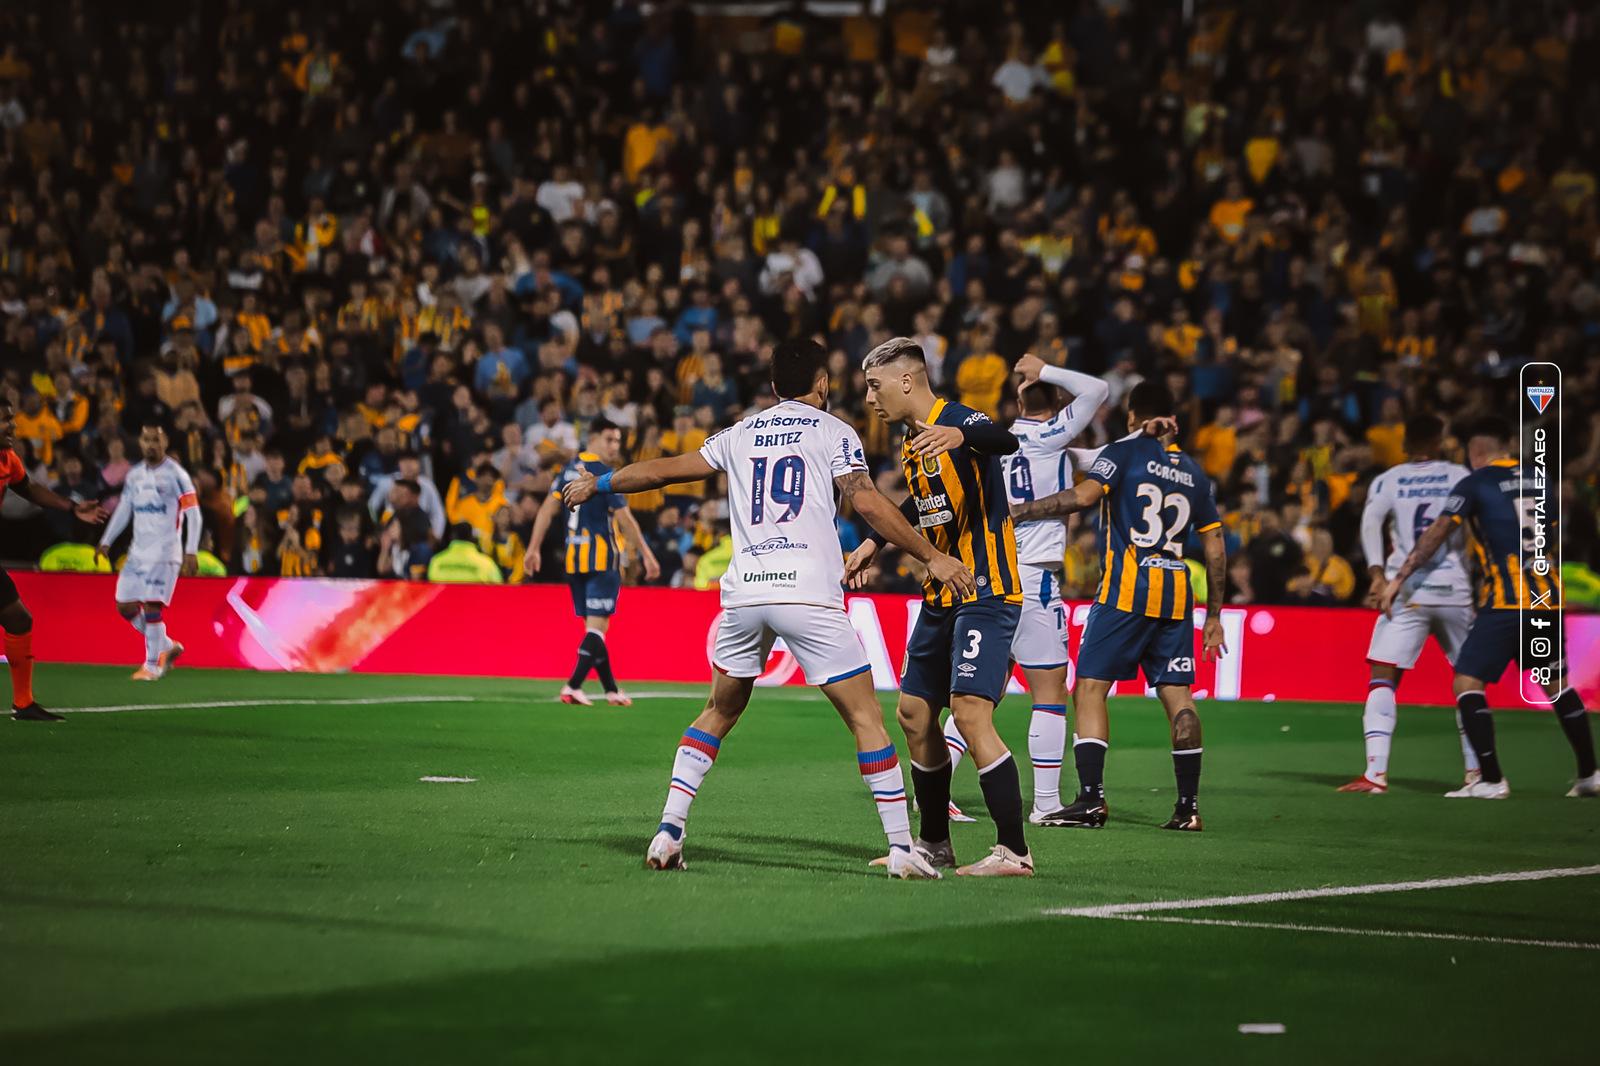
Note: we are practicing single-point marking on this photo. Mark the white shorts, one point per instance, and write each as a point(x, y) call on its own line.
point(147, 582)
point(1040, 642)
point(1398, 636)
point(820, 638)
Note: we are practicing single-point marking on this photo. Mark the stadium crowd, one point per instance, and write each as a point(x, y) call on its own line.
point(379, 266)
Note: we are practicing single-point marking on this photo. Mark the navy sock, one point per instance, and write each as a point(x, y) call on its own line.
point(602, 660)
point(1186, 768)
point(1090, 755)
point(580, 669)
point(1002, 794)
point(1575, 724)
point(932, 788)
point(1479, 726)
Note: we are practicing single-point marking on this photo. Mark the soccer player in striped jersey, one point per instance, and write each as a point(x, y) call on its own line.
point(1488, 503)
point(15, 620)
point(1151, 497)
point(1040, 467)
point(959, 651)
point(783, 466)
point(593, 559)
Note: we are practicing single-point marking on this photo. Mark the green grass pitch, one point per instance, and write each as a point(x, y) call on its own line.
point(271, 883)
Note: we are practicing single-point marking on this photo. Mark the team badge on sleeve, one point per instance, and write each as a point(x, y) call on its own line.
point(1103, 468)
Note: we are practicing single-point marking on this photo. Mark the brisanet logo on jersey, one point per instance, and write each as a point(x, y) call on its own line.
point(1539, 509)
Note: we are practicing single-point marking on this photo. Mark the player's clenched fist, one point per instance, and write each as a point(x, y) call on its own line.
point(578, 491)
point(949, 572)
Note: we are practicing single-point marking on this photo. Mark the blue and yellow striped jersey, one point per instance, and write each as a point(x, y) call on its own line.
point(1489, 502)
point(962, 509)
point(1154, 496)
point(591, 540)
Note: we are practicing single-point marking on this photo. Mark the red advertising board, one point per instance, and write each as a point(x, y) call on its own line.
point(324, 625)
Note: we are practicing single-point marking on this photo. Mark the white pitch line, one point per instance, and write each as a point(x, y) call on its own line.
point(1399, 934)
point(207, 704)
point(1114, 910)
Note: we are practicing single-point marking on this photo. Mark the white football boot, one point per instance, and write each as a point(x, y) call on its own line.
point(575, 695)
point(910, 866)
point(1481, 790)
point(1000, 862)
point(1585, 786)
point(665, 853)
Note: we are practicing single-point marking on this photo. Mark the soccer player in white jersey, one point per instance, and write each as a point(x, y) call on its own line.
point(160, 501)
point(1436, 601)
point(783, 467)
point(1041, 467)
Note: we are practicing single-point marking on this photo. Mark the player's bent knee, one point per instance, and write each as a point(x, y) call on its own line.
point(129, 610)
point(1463, 683)
point(15, 619)
point(972, 713)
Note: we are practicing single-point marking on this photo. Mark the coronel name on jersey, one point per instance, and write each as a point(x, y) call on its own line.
point(1170, 473)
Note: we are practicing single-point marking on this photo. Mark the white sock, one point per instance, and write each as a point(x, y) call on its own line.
point(696, 752)
point(137, 622)
point(1377, 721)
point(881, 771)
point(1468, 757)
point(1047, 745)
point(954, 741)
point(155, 642)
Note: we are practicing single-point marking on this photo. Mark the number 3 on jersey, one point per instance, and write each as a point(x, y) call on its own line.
point(787, 487)
point(1156, 531)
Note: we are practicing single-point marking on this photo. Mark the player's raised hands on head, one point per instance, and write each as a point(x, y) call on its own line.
point(930, 442)
point(949, 571)
point(91, 512)
point(578, 491)
point(1212, 644)
point(1030, 366)
point(1160, 427)
point(858, 563)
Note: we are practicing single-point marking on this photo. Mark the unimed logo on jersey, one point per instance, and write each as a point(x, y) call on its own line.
point(765, 576)
point(1540, 396)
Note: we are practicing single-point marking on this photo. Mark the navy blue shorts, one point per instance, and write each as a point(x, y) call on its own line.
point(963, 650)
point(1493, 643)
point(1118, 644)
point(595, 595)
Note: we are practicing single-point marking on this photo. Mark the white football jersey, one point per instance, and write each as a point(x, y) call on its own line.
point(1040, 467)
point(154, 499)
point(780, 465)
point(1406, 499)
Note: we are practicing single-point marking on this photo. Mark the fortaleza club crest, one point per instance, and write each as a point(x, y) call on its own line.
point(1540, 396)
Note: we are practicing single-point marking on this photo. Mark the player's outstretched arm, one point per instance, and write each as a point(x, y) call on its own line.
point(1432, 540)
point(1083, 495)
point(639, 477)
point(1212, 645)
point(982, 436)
point(891, 523)
point(41, 496)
